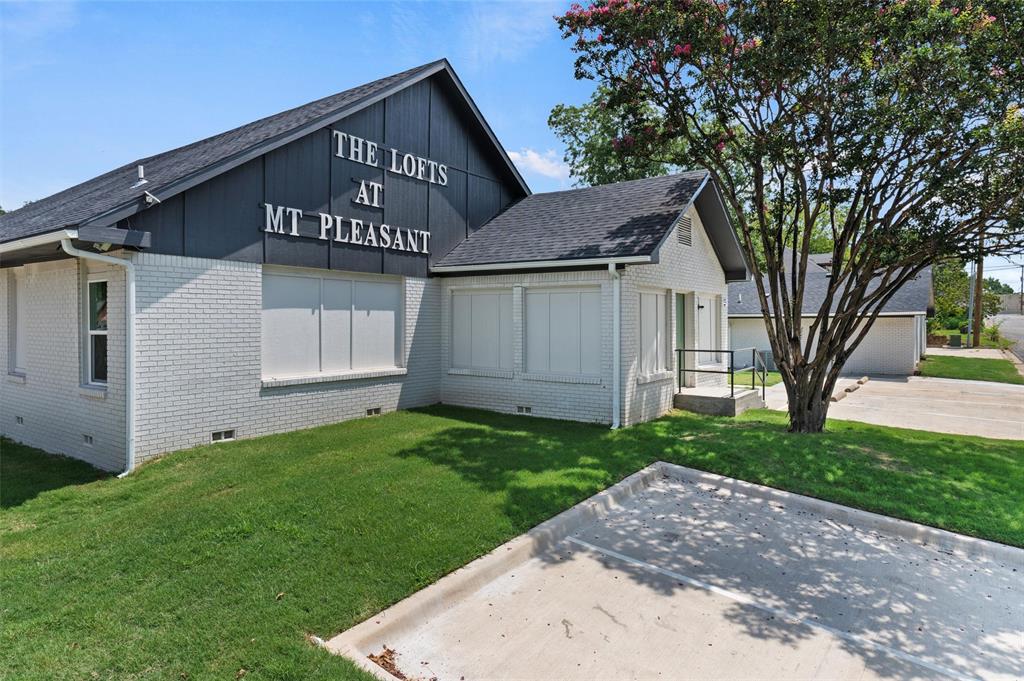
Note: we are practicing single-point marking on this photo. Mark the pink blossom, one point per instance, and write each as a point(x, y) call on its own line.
point(955, 11)
point(727, 40)
point(682, 49)
point(600, 37)
point(720, 146)
point(997, 72)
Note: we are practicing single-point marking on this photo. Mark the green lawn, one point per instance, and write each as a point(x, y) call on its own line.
point(984, 342)
point(770, 379)
point(225, 557)
point(971, 368)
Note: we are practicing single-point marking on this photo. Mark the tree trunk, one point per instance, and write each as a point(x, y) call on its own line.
point(808, 401)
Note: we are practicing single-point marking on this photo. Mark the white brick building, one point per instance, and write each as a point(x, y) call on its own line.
point(317, 266)
point(894, 345)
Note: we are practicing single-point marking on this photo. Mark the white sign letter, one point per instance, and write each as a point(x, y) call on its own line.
point(296, 214)
point(275, 219)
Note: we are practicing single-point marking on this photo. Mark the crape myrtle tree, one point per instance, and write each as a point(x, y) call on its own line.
point(898, 124)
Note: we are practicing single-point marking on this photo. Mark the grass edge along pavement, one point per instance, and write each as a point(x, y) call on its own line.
point(225, 557)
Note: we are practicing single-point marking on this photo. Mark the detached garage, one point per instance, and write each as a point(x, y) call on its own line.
point(894, 345)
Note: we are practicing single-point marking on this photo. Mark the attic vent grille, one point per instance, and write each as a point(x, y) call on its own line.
point(684, 231)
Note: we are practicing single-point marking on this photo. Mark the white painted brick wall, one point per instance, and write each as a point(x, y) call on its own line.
point(681, 269)
point(545, 396)
point(890, 348)
point(57, 412)
point(199, 368)
point(198, 331)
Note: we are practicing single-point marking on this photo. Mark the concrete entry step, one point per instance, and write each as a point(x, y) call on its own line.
point(717, 401)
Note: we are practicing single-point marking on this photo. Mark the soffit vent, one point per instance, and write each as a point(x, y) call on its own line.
point(684, 231)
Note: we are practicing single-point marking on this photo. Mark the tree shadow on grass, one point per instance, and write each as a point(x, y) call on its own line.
point(26, 472)
point(816, 570)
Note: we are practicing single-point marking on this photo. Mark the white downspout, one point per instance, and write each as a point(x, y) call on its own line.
point(129, 343)
point(616, 344)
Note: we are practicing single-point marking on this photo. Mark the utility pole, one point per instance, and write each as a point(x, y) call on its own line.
point(970, 303)
point(979, 316)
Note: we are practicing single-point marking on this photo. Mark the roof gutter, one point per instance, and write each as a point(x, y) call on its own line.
point(38, 240)
point(129, 344)
point(543, 264)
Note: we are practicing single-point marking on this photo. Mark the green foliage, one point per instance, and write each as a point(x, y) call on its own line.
point(226, 557)
point(993, 285)
point(951, 287)
point(895, 124)
point(599, 151)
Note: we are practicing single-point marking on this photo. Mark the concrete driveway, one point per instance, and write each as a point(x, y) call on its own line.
point(940, 405)
point(1012, 326)
point(694, 576)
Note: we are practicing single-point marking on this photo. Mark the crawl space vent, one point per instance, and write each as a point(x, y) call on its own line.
point(222, 435)
point(524, 410)
point(373, 411)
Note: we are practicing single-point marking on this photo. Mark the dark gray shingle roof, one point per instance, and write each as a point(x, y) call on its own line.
point(914, 296)
point(109, 191)
point(612, 220)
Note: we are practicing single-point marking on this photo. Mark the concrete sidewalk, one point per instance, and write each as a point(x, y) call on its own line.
point(697, 580)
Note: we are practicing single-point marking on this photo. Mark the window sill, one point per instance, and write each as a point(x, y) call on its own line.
point(485, 373)
point(332, 378)
point(563, 378)
point(95, 392)
point(655, 378)
point(16, 377)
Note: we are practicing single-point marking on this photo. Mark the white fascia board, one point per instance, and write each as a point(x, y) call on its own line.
point(542, 264)
point(38, 240)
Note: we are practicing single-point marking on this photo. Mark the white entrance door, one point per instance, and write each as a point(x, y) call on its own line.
point(706, 315)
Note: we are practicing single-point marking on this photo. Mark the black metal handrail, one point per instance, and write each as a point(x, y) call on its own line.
point(756, 358)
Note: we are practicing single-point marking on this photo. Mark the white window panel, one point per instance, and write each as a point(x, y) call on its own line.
point(20, 322)
point(485, 330)
point(537, 332)
point(505, 331)
point(375, 324)
point(336, 325)
point(564, 344)
point(590, 332)
point(482, 329)
point(291, 325)
point(653, 334)
point(563, 331)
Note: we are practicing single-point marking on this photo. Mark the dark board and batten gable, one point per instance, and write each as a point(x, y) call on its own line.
point(224, 216)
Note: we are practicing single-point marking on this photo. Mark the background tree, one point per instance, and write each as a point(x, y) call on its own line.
point(599, 148)
point(995, 286)
point(897, 123)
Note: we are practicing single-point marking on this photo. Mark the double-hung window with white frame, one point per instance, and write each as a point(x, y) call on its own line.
point(96, 329)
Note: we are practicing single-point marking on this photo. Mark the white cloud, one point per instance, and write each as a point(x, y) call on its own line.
point(504, 31)
point(548, 164)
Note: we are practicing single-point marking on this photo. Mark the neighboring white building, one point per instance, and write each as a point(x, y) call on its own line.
point(370, 251)
point(894, 345)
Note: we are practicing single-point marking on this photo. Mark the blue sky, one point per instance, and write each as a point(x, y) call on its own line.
point(86, 87)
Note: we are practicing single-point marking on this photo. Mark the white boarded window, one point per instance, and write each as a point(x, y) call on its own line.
point(653, 333)
point(315, 324)
point(17, 306)
point(482, 330)
point(563, 331)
